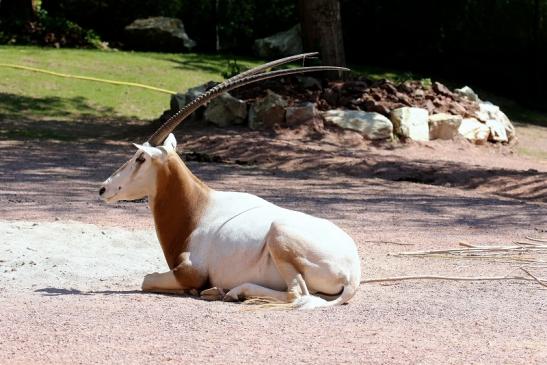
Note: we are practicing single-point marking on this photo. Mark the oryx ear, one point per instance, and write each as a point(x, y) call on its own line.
point(149, 150)
point(170, 142)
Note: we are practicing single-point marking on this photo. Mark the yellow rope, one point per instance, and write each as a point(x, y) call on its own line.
point(114, 82)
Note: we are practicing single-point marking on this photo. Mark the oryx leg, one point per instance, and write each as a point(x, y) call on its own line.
point(165, 282)
point(249, 290)
point(285, 251)
point(181, 279)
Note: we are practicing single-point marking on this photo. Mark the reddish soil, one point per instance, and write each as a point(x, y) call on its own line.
point(427, 196)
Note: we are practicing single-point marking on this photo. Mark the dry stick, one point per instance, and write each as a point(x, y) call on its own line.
point(527, 243)
point(536, 239)
point(477, 249)
point(453, 278)
point(391, 242)
point(540, 282)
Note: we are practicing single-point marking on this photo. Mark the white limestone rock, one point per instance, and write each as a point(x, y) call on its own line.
point(158, 33)
point(267, 111)
point(295, 115)
point(468, 93)
point(373, 126)
point(226, 110)
point(497, 131)
point(281, 44)
point(474, 131)
point(444, 125)
point(488, 111)
point(411, 123)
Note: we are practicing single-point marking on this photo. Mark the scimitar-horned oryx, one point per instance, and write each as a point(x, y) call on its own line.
point(230, 240)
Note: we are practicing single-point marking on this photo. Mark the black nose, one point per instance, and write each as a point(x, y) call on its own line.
point(101, 192)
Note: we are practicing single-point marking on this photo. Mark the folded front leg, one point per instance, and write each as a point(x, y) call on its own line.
point(181, 279)
point(162, 283)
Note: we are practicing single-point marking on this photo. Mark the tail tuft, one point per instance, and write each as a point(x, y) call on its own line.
point(307, 302)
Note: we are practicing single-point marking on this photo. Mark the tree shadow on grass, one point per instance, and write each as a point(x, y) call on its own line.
point(13, 105)
point(206, 63)
point(63, 119)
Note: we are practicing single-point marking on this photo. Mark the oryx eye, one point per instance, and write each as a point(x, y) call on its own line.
point(141, 158)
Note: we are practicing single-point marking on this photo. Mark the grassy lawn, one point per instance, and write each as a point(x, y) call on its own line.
point(34, 95)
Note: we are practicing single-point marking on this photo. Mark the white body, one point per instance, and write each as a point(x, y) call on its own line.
point(229, 245)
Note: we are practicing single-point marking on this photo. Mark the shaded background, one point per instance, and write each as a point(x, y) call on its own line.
point(499, 45)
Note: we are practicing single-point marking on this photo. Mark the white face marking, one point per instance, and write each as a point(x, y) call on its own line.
point(136, 178)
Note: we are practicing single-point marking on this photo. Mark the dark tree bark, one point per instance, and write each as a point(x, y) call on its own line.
point(322, 29)
point(17, 10)
point(538, 52)
point(51, 6)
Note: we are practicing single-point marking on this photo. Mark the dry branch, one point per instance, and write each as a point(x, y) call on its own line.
point(390, 242)
point(536, 239)
point(540, 282)
point(531, 277)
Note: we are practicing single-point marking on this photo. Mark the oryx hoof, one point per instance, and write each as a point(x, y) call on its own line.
point(212, 294)
point(233, 296)
point(149, 281)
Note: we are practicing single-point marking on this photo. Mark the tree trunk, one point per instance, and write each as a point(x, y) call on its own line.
point(17, 10)
point(538, 52)
point(322, 30)
point(53, 7)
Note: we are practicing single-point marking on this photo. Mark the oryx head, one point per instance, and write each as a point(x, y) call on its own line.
point(136, 178)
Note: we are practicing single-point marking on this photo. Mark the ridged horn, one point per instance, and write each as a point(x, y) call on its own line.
point(272, 64)
point(245, 78)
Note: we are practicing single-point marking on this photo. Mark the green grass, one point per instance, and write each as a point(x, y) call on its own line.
point(31, 95)
point(34, 95)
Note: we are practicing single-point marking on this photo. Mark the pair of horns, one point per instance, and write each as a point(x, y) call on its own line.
point(248, 77)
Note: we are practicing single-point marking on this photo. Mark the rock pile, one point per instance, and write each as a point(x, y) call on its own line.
point(379, 111)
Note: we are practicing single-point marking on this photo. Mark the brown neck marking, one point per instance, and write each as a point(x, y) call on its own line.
point(177, 206)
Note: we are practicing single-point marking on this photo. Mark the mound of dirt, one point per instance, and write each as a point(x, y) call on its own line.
point(315, 149)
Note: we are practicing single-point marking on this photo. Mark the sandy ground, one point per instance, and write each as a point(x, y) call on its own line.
point(71, 267)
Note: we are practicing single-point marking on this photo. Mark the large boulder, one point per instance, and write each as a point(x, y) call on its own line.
point(226, 110)
point(268, 111)
point(488, 111)
point(444, 126)
point(474, 131)
point(373, 126)
point(281, 44)
point(299, 114)
point(158, 34)
point(411, 123)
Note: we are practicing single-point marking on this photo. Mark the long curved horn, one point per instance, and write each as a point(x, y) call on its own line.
point(237, 81)
point(273, 64)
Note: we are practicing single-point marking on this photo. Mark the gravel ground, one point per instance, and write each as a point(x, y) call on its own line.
point(71, 267)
